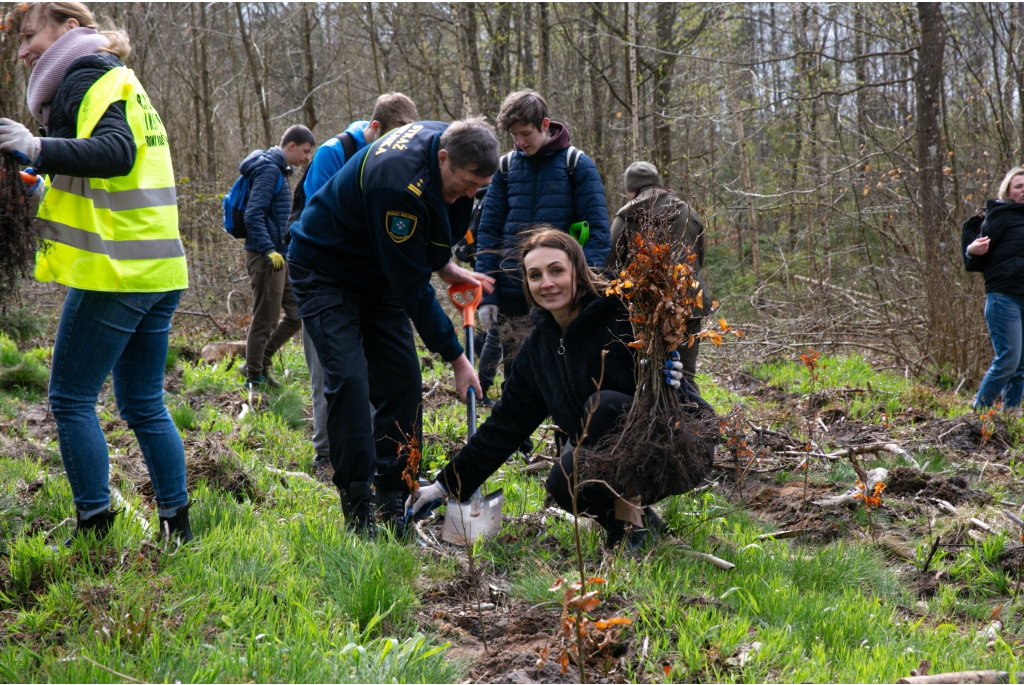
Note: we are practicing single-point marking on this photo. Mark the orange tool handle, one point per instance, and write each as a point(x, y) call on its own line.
point(459, 294)
point(29, 179)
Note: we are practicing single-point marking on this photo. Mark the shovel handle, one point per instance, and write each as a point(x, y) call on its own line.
point(466, 297)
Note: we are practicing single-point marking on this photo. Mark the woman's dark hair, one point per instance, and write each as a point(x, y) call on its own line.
point(587, 282)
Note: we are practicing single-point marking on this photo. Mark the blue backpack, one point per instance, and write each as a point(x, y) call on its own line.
point(234, 206)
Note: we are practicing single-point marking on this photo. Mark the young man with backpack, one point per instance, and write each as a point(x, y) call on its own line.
point(267, 206)
point(543, 180)
point(648, 198)
point(391, 111)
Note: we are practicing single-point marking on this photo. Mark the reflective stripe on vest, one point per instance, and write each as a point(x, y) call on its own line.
point(117, 234)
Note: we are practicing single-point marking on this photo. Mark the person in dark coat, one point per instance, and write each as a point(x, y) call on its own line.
point(362, 255)
point(536, 188)
point(998, 251)
point(553, 375)
point(266, 225)
point(650, 200)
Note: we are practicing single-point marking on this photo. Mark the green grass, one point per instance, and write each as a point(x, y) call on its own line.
point(275, 589)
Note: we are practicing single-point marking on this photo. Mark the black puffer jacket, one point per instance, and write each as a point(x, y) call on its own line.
point(110, 151)
point(1003, 264)
point(546, 383)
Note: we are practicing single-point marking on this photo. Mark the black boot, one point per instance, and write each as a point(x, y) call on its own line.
point(177, 525)
point(391, 510)
point(357, 506)
point(98, 523)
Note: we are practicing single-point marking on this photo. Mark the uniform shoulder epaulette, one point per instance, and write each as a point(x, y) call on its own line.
point(418, 184)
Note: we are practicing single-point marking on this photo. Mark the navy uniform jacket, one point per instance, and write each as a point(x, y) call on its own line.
point(380, 227)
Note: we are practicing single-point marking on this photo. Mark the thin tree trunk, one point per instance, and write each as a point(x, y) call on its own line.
point(460, 54)
point(373, 47)
point(931, 152)
point(469, 36)
point(544, 58)
point(424, 50)
point(634, 95)
point(309, 107)
point(529, 70)
point(257, 76)
point(665, 19)
point(748, 184)
point(208, 122)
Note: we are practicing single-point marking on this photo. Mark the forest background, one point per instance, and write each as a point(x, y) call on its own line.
point(833, 149)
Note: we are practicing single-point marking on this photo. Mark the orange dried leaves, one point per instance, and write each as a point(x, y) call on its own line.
point(595, 635)
point(413, 456)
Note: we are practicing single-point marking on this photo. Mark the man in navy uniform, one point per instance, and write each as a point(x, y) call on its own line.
point(361, 257)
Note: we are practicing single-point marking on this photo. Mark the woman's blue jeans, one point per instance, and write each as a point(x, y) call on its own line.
point(1005, 317)
point(124, 334)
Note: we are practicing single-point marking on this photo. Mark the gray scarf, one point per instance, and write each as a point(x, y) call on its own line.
point(49, 71)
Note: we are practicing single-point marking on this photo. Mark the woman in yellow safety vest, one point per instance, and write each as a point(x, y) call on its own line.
point(110, 220)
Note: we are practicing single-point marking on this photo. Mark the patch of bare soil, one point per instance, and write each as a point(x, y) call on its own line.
point(206, 458)
point(904, 480)
point(21, 448)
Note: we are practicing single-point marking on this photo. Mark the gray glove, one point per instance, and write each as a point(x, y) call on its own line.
point(19, 141)
point(425, 500)
point(488, 315)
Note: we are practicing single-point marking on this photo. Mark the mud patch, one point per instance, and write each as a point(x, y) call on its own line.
point(904, 480)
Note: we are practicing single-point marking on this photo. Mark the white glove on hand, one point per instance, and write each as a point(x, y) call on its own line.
point(673, 370)
point(425, 500)
point(488, 314)
point(19, 141)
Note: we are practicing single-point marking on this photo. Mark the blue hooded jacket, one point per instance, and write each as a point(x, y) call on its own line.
point(538, 190)
point(330, 157)
point(266, 212)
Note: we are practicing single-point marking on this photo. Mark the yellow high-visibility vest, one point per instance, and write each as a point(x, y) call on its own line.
point(115, 234)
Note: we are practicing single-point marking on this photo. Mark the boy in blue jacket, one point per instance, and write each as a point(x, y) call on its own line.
point(544, 179)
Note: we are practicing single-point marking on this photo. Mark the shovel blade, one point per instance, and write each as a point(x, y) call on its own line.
point(479, 517)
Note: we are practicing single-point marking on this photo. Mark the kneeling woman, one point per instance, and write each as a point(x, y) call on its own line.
point(553, 375)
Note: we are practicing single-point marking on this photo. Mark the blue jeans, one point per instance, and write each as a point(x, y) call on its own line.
point(124, 334)
point(1005, 317)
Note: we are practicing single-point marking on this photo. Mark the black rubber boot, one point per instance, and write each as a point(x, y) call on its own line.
point(98, 523)
point(391, 510)
point(357, 506)
point(177, 525)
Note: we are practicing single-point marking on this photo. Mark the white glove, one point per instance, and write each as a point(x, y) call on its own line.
point(425, 500)
point(673, 370)
point(19, 141)
point(488, 314)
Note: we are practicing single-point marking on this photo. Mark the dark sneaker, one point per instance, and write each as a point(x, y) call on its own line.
point(391, 510)
point(177, 526)
point(357, 506)
point(256, 383)
point(485, 402)
point(99, 524)
point(322, 469)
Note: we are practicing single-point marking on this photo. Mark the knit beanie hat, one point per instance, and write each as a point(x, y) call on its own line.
point(641, 175)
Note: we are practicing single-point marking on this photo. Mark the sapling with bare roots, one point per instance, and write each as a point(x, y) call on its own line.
point(663, 448)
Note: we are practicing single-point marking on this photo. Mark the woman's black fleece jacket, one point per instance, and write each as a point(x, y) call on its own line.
point(1003, 264)
point(546, 383)
point(110, 151)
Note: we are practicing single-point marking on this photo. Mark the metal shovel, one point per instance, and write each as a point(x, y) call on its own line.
point(480, 516)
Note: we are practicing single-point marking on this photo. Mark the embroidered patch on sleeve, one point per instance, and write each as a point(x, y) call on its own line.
point(400, 225)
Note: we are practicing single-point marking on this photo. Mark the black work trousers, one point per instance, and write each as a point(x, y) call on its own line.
point(593, 499)
point(368, 355)
point(688, 355)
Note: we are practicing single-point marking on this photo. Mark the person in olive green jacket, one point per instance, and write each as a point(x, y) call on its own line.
point(649, 197)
